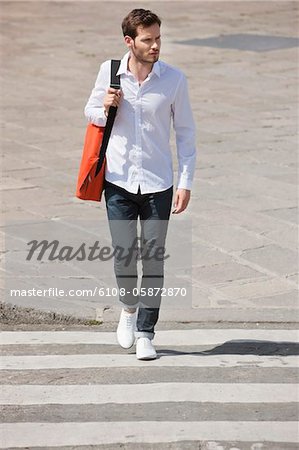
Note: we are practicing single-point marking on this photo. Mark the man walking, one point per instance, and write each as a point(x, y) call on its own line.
point(139, 171)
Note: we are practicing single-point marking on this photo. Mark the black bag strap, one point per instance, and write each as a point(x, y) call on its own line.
point(114, 83)
point(115, 79)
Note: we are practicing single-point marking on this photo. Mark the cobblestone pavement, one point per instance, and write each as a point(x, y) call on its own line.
point(243, 210)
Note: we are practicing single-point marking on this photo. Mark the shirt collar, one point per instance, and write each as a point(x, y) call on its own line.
point(123, 68)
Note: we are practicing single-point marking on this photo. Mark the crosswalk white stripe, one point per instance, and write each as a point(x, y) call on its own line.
point(96, 433)
point(148, 393)
point(119, 360)
point(164, 337)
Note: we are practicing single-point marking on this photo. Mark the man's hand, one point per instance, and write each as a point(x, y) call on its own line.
point(112, 98)
point(181, 200)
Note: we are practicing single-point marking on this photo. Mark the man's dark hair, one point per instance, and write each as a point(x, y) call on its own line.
point(136, 18)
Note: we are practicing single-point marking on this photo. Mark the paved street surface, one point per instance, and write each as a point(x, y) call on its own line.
point(227, 367)
point(243, 212)
point(212, 389)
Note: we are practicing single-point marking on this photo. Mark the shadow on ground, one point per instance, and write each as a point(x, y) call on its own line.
point(244, 347)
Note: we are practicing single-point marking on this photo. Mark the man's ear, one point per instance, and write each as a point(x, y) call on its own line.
point(129, 41)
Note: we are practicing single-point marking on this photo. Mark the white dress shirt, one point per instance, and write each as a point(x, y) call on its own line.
point(139, 152)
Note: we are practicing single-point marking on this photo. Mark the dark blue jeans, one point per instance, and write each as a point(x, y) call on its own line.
point(153, 210)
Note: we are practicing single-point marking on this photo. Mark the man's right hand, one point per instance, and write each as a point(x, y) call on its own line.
point(112, 98)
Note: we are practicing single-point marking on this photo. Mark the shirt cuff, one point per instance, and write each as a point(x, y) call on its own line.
point(99, 119)
point(184, 183)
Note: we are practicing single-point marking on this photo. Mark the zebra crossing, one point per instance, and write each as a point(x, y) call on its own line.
point(223, 389)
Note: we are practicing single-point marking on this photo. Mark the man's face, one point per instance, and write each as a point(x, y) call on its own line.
point(146, 46)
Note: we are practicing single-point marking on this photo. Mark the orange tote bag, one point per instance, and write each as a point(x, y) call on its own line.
point(91, 176)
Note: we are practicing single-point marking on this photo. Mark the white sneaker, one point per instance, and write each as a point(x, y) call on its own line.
point(145, 349)
point(126, 328)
